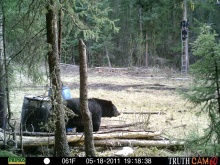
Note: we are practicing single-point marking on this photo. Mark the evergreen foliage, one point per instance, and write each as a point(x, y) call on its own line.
point(25, 31)
point(119, 25)
point(205, 91)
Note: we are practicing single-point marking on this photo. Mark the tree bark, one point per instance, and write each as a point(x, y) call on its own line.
point(140, 46)
point(61, 144)
point(146, 56)
point(86, 115)
point(3, 104)
point(60, 31)
point(107, 56)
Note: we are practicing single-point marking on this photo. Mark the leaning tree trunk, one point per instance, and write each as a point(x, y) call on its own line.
point(61, 144)
point(3, 105)
point(87, 121)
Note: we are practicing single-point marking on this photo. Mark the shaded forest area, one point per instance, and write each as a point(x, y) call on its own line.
point(117, 32)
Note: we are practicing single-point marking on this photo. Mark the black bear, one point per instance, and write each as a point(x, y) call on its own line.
point(98, 108)
point(184, 34)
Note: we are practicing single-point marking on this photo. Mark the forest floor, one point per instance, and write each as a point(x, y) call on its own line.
point(133, 90)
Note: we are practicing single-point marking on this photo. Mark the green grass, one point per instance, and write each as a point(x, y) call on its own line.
point(4, 153)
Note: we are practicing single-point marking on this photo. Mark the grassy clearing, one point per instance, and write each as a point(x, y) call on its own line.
point(134, 90)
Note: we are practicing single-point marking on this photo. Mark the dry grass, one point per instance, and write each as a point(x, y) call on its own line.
point(134, 90)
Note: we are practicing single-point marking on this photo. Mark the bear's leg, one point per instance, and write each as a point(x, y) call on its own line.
point(96, 127)
point(79, 129)
point(96, 121)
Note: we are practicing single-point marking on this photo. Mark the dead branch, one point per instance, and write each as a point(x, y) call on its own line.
point(110, 68)
point(157, 113)
point(113, 130)
point(121, 126)
point(183, 125)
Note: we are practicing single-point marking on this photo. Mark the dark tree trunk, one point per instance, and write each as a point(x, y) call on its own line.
point(3, 105)
point(140, 46)
point(60, 31)
point(87, 121)
point(146, 55)
point(61, 144)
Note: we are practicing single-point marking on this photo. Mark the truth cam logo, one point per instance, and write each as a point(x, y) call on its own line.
point(193, 161)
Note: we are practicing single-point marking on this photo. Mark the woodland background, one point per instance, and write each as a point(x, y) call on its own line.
point(116, 32)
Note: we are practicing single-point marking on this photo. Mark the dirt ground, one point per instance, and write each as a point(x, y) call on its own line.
point(132, 90)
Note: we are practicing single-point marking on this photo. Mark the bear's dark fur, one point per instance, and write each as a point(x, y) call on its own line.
point(98, 108)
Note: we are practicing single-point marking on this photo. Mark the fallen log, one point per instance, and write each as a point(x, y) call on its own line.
point(126, 135)
point(105, 129)
point(25, 133)
point(121, 130)
point(135, 143)
point(28, 141)
point(36, 133)
point(113, 130)
point(110, 68)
